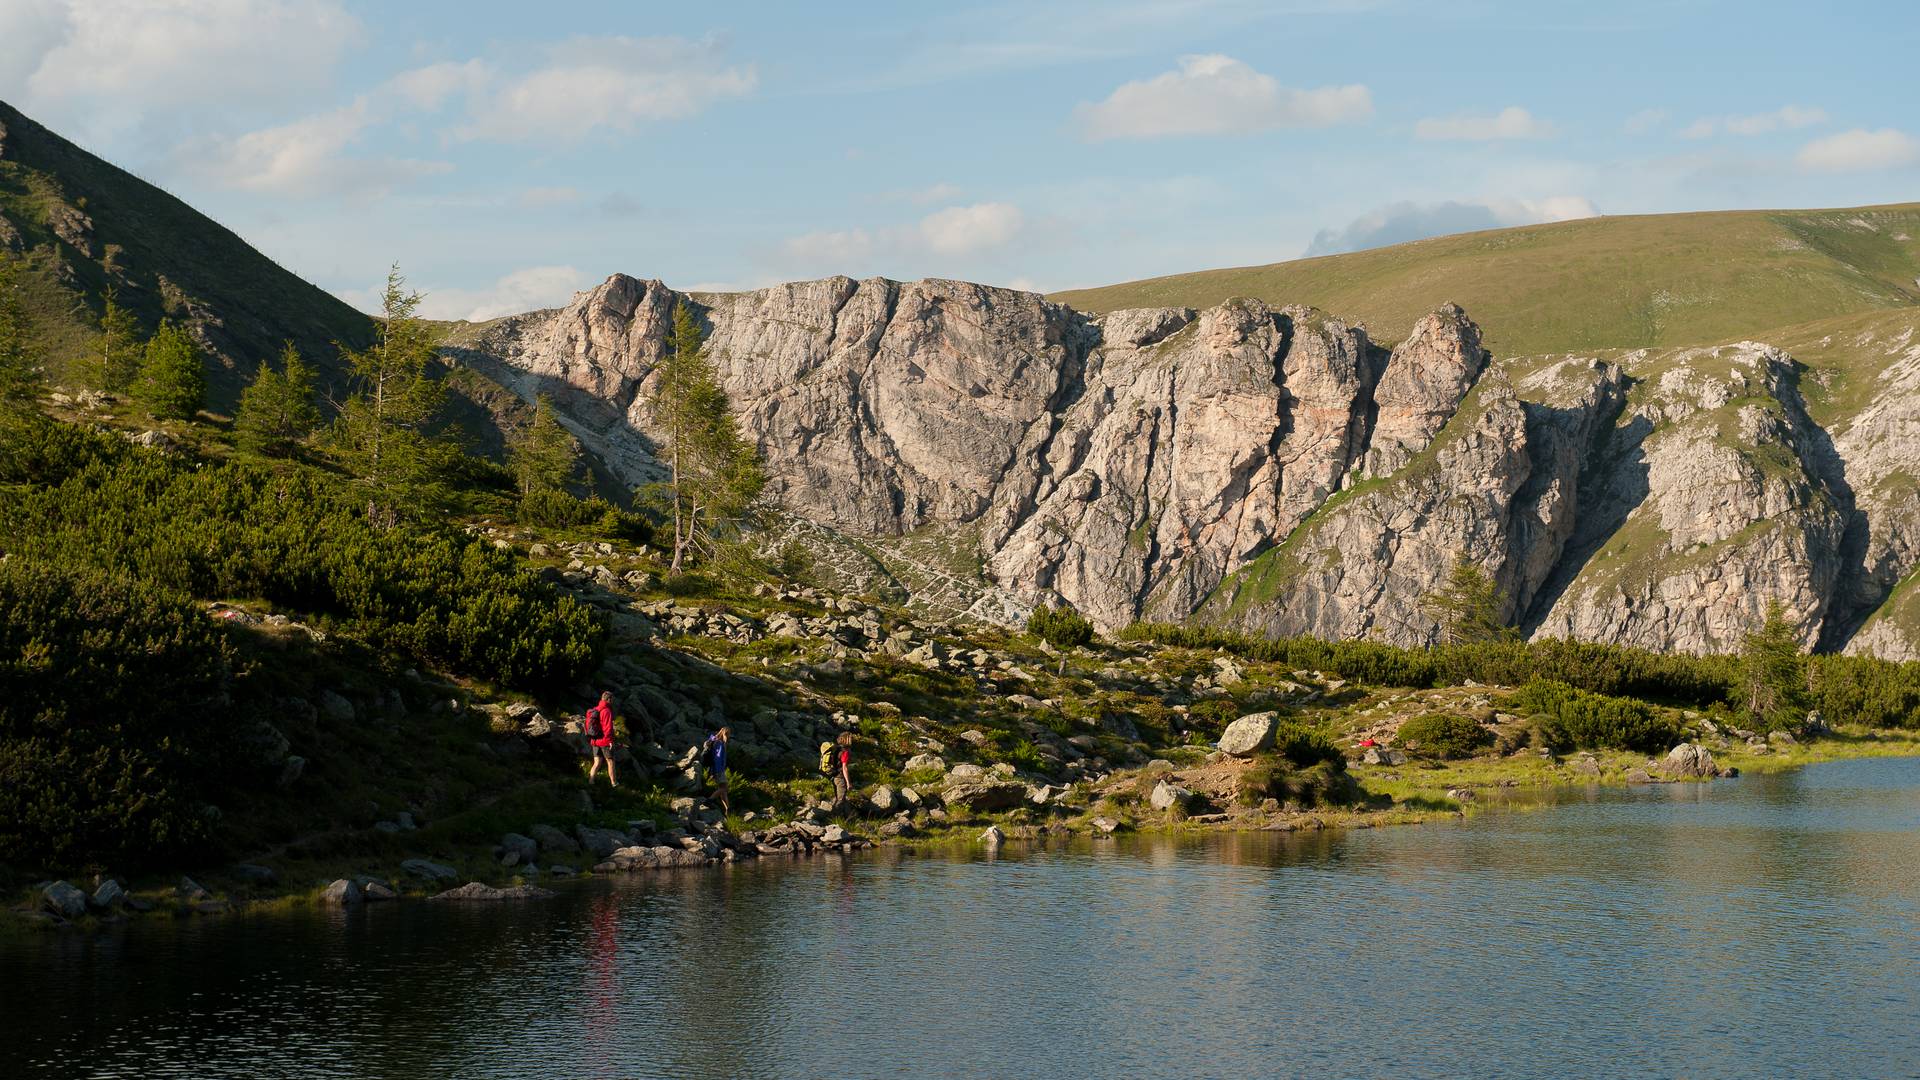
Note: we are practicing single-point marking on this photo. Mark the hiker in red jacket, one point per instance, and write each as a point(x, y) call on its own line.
point(599, 730)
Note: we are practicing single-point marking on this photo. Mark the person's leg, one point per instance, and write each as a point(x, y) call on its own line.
point(612, 780)
point(593, 770)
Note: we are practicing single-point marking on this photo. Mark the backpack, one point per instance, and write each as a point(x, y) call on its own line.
point(594, 727)
point(826, 759)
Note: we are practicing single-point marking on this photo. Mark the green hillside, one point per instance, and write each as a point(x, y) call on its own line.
point(1629, 282)
point(79, 223)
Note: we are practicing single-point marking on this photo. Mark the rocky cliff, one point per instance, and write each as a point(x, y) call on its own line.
point(1275, 469)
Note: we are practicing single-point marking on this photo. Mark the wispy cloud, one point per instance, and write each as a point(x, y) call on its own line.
point(1512, 122)
point(1785, 118)
point(1860, 150)
point(616, 83)
point(310, 156)
point(952, 231)
point(1217, 95)
point(523, 290)
point(1404, 221)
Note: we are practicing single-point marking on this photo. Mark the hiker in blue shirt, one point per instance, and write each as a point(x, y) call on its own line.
point(714, 754)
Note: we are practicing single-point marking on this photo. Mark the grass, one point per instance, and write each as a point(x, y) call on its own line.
point(1626, 282)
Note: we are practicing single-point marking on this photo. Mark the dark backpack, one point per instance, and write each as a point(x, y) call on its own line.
point(596, 726)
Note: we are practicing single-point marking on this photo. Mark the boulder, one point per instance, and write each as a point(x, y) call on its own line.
point(64, 900)
point(883, 799)
point(965, 773)
point(1166, 796)
point(376, 889)
point(1250, 734)
point(335, 706)
point(1689, 759)
point(255, 873)
point(1380, 755)
point(342, 893)
point(993, 837)
point(474, 890)
point(551, 839)
point(432, 871)
point(1105, 826)
point(911, 798)
point(1638, 776)
point(650, 858)
point(985, 796)
point(925, 761)
point(111, 894)
point(600, 842)
point(523, 848)
point(192, 891)
point(834, 834)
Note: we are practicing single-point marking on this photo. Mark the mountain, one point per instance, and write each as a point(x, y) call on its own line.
point(1646, 281)
point(79, 224)
point(1279, 471)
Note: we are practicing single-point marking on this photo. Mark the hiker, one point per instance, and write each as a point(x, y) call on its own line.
point(599, 731)
point(843, 769)
point(713, 754)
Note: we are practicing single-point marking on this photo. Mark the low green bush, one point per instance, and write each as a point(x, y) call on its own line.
point(1062, 628)
point(1444, 735)
point(1567, 718)
point(1306, 745)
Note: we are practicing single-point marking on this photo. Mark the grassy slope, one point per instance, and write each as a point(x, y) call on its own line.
point(1642, 281)
point(171, 259)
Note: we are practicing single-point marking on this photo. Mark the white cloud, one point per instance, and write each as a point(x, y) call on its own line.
point(1645, 120)
point(953, 231)
point(611, 82)
point(1785, 118)
point(1860, 150)
point(523, 290)
point(1404, 221)
point(305, 157)
point(964, 230)
point(129, 56)
point(428, 88)
point(1512, 122)
point(1217, 95)
point(548, 196)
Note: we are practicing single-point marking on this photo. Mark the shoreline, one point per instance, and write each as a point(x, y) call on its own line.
point(1467, 788)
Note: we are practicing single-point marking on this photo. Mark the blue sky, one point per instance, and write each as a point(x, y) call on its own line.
point(507, 154)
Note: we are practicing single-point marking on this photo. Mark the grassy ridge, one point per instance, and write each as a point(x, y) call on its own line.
point(1631, 282)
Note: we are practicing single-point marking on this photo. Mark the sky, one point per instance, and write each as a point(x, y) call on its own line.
point(507, 154)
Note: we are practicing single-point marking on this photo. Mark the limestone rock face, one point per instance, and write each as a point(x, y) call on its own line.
point(1271, 469)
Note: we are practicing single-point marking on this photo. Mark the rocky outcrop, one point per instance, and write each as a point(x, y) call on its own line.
point(1274, 469)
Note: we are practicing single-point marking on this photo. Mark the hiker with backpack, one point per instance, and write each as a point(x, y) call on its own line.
point(713, 757)
point(836, 760)
point(598, 727)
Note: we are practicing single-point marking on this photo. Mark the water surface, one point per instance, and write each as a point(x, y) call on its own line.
point(1759, 927)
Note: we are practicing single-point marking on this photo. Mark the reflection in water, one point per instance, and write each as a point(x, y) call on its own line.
point(1765, 926)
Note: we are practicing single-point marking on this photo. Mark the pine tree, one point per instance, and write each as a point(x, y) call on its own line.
point(541, 456)
point(1468, 607)
point(171, 381)
point(1773, 673)
point(714, 473)
point(276, 410)
point(119, 346)
point(385, 431)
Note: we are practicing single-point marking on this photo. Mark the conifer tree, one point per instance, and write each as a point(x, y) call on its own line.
point(714, 473)
point(19, 369)
point(171, 381)
point(119, 346)
point(276, 410)
point(385, 431)
point(541, 456)
point(1468, 607)
point(1773, 673)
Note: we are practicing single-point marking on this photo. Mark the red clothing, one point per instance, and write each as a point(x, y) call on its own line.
point(600, 724)
point(845, 757)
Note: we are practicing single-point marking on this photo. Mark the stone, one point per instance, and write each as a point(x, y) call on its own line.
point(63, 900)
point(919, 762)
point(110, 895)
point(984, 796)
point(255, 873)
point(551, 839)
point(335, 706)
point(192, 891)
point(883, 799)
point(1782, 739)
point(523, 848)
point(600, 842)
point(993, 837)
point(474, 890)
point(342, 893)
point(1689, 759)
point(1250, 734)
point(291, 770)
point(432, 871)
point(834, 834)
point(1166, 796)
point(1380, 755)
point(1638, 776)
point(650, 858)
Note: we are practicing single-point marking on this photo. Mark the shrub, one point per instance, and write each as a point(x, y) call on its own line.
point(1444, 735)
point(1306, 745)
point(302, 542)
point(1862, 689)
point(1570, 718)
point(1062, 628)
point(112, 723)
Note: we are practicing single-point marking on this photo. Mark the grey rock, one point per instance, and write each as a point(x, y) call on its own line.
point(925, 761)
point(335, 706)
point(432, 871)
point(342, 893)
point(524, 848)
point(600, 842)
point(883, 799)
point(1689, 759)
point(984, 796)
point(551, 839)
point(192, 891)
point(375, 889)
point(110, 895)
point(1166, 796)
point(993, 837)
point(1250, 734)
point(474, 890)
point(63, 900)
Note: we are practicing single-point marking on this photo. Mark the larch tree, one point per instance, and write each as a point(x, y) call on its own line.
point(541, 456)
point(172, 379)
point(714, 474)
point(1773, 673)
point(19, 360)
point(1467, 607)
point(118, 345)
point(277, 410)
point(385, 430)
